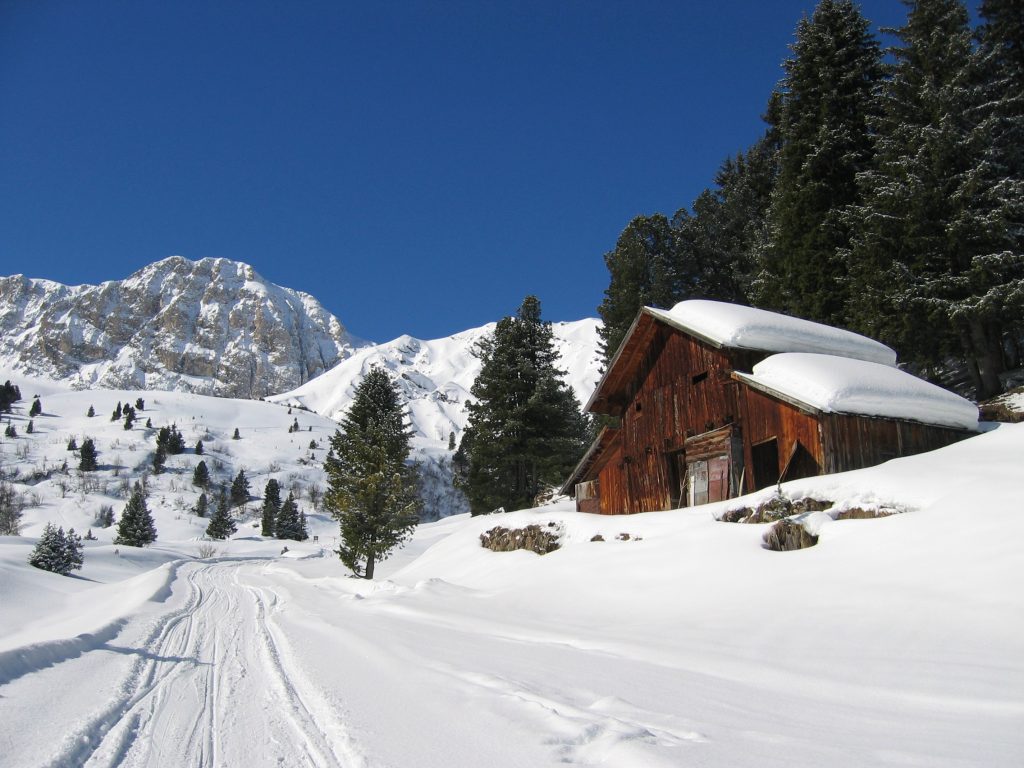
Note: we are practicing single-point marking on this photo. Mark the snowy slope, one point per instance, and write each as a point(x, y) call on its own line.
point(893, 642)
point(212, 326)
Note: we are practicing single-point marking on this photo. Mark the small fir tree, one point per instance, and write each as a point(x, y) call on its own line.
point(72, 444)
point(36, 408)
point(51, 553)
point(91, 412)
point(74, 558)
point(221, 524)
point(291, 523)
point(136, 528)
point(271, 507)
point(236, 436)
point(199, 448)
point(10, 431)
point(239, 489)
point(159, 460)
point(201, 475)
point(87, 456)
point(30, 428)
point(140, 404)
point(202, 506)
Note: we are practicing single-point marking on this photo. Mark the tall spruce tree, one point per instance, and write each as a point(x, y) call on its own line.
point(642, 271)
point(936, 246)
point(825, 102)
point(372, 491)
point(136, 527)
point(271, 507)
point(525, 430)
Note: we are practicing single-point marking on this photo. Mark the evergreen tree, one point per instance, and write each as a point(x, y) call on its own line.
point(9, 394)
point(36, 408)
point(159, 460)
point(826, 100)
point(451, 441)
point(149, 423)
point(87, 456)
point(91, 412)
point(642, 271)
point(72, 444)
point(129, 418)
point(10, 431)
point(202, 505)
point(54, 553)
point(116, 415)
point(136, 527)
point(271, 507)
point(239, 489)
point(525, 430)
point(221, 523)
point(72, 551)
point(236, 436)
point(140, 404)
point(372, 491)
point(937, 245)
point(201, 475)
point(30, 428)
point(199, 448)
point(291, 523)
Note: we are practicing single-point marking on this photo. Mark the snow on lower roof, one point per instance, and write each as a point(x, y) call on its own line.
point(737, 326)
point(842, 385)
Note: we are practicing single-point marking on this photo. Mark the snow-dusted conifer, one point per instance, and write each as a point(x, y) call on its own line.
point(271, 507)
point(136, 528)
point(221, 524)
point(372, 491)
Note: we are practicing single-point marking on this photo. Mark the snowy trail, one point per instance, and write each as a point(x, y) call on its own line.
point(208, 685)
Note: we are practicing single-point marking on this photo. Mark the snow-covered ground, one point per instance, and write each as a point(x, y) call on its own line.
point(895, 641)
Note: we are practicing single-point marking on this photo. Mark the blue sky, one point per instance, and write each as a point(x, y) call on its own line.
point(419, 167)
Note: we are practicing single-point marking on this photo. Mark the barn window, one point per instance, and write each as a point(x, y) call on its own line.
point(699, 378)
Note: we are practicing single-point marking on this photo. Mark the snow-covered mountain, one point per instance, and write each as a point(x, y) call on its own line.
point(212, 326)
point(435, 376)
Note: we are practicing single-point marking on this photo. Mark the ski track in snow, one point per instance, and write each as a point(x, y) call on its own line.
point(211, 686)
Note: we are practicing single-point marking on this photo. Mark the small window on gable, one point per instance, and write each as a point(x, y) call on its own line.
point(638, 406)
point(699, 378)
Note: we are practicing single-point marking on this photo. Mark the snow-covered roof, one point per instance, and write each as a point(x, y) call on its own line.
point(842, 385)
point(736, 326)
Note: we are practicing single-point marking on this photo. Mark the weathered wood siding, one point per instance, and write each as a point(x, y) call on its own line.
point(763, 418)
point(614, 496)
point(682, 388)
point(852, 442)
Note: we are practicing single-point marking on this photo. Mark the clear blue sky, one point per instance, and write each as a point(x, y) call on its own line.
point(417, 166)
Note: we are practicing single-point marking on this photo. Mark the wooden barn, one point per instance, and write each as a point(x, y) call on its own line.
point(715, 400)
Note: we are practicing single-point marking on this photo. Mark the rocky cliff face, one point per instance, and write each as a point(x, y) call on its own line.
point(212, 326)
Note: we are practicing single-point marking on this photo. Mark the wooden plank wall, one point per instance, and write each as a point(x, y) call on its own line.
point(765, 417)
point(683, 388)
point(853, 442)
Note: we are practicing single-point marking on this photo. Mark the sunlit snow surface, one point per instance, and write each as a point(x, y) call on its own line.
point(734, 325)
point(842, 385)
point(893, 642)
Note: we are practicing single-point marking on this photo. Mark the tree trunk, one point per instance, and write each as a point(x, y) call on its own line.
point(369, 567)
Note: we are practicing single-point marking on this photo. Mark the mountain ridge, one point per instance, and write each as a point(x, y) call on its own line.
point(212, 326)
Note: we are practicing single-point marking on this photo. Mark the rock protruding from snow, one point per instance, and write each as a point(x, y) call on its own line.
point(212, 326)
point(734, 325)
